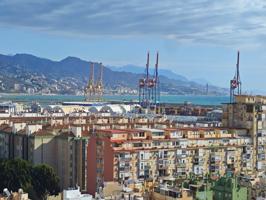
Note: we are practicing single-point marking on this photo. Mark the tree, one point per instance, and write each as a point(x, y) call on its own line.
point(15, 174)
point(45, 181)
point(38, 181)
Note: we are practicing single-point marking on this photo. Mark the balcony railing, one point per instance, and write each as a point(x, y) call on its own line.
point(124, 159)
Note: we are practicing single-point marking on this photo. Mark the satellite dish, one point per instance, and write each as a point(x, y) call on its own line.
point(6, 192)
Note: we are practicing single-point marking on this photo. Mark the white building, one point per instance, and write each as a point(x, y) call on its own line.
point(74, 194)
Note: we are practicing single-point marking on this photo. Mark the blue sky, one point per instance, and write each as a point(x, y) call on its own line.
point(195, 38)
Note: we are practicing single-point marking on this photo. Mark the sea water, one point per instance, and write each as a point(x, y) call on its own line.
point(55, 99)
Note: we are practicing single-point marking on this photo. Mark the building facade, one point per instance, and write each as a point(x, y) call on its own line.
point(134, 155)
point(249, 112)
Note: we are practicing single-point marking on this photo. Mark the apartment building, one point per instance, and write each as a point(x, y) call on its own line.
point(62, 141)
point(137, 150)
point(71, 158)
point(132, 155)
point(64, 149)
point(249, 112)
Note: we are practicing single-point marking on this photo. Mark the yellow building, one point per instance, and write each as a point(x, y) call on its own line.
point(249, 112)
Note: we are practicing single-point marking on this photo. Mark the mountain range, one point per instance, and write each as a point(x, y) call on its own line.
point(140, 70)
point(24, 72)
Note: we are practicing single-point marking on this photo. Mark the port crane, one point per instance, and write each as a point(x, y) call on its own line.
point(94, 91)
point(235, 83)
point(149, 91)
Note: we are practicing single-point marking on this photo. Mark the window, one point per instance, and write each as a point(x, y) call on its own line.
point(158, 133)
point(141, 166)
point(137, 144)
point(249, 108)
point(156, 143)
point(141, 134)
point(165, 154)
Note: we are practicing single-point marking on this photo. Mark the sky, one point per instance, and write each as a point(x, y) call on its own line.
point(195, 38)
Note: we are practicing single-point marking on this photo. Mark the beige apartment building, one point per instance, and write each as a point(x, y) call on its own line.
point(249, 112)
point(133, 155)
point(63, 149)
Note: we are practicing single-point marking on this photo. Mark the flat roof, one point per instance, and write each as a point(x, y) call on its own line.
point(83, 103)
point(111, 131)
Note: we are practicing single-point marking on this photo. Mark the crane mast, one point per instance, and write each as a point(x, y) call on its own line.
point(235, 83)
point(149, 93)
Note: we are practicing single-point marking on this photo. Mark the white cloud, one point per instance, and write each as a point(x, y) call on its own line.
point(227, 22)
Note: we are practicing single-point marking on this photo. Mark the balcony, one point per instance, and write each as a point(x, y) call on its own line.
point(215, 162)
point(124, 175)
point(124, 159)
point(261, 151)
point(181, 155)
point(181, 175)
point(182, 165)
point(124, 165)
point(124, 169)
point(163, 158)
point(162, 166)
point(261, 158)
